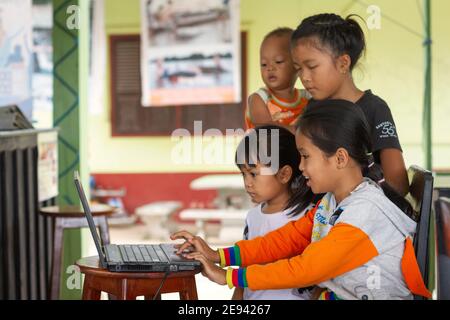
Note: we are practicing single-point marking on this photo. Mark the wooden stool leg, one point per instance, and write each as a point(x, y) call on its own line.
point(190, 292)
point(127, 292)
point(90, 293)
point(57, 258)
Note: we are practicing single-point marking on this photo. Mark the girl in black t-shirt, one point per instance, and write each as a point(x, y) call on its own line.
point(325, 49)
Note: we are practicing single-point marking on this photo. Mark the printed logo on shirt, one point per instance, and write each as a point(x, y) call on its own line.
point(321, 219)
point(386, 130)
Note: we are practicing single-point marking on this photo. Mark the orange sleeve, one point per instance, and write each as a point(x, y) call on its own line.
point(287, 241)
point(343, 249)
point(411, 271)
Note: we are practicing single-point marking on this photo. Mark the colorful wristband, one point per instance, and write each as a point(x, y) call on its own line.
point(236, 278)
point(230, 256)
point(222, 258)
point(230, 278)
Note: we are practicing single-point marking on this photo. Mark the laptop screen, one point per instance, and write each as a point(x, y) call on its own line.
point(90, 219)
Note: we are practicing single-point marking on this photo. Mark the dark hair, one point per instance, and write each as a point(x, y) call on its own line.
point(279, 32)
point(342, 36)
point(257, 142)
point(334, 124)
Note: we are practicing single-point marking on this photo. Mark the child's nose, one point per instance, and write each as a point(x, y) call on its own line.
point(300, 166)
point(305, 77)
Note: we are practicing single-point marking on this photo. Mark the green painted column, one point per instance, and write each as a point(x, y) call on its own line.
point(70, 49)
point(427, 99)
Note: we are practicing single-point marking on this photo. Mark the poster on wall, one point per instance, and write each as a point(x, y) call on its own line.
point(42, 76)
point(16, 54)
point(190, 52)
point(47, 165)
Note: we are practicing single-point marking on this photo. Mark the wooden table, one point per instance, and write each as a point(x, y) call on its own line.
point(72, 217)
point(128, 286)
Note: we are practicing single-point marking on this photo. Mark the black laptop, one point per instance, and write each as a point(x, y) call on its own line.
point(134, 258)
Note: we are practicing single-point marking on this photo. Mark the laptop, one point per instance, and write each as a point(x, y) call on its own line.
point(134, 258)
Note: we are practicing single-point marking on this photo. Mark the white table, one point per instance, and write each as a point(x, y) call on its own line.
point(155, 215)
point(230, 217)
point(218, 181)
point(230, 189)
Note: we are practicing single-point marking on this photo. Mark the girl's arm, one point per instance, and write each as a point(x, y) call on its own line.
point(260, 115)
point(287, 241)
point(238, 294)
point(394, 170)
point(343, 249)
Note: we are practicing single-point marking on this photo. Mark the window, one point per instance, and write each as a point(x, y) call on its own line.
point(129, 118)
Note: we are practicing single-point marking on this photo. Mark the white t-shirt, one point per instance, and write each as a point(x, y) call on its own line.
point(258, 224)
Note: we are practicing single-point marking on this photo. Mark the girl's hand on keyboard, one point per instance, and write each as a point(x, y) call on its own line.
point(210, 270)
point(195, 244)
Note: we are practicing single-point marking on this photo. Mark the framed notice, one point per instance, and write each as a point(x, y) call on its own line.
point(190, 52)
point(47, 165)
point(16, 54)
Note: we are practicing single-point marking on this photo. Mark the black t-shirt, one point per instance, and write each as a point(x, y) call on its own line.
point(382, 125)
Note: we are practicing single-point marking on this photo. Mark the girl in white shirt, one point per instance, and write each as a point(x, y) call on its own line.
point(269, 161)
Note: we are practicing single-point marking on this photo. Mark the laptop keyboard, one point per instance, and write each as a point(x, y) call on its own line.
point(142, 253)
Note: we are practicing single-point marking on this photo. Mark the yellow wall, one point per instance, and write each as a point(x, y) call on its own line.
point(393, 69)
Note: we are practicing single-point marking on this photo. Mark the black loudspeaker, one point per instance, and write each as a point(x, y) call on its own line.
point(11, 118)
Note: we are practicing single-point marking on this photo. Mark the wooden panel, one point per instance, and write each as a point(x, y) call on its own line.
point(31, 214)
point(20, 236)
point(20, 223)
point(2, 223)
point(12, 279)
point(129, 118)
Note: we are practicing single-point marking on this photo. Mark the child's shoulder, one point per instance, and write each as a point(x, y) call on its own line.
point(371, 100)
point(262, 92)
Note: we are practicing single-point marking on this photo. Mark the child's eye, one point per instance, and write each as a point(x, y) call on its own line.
point(278, 62)
point(312, 67)
point(304, 156)
point(253, 174)
point(263, 65)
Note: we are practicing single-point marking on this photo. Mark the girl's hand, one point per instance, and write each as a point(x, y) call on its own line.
point(210, 270)
point(196, 244)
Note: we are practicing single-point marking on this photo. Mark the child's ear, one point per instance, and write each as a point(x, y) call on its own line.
point(343, 63)
point(285, 174)
point(342, 157)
